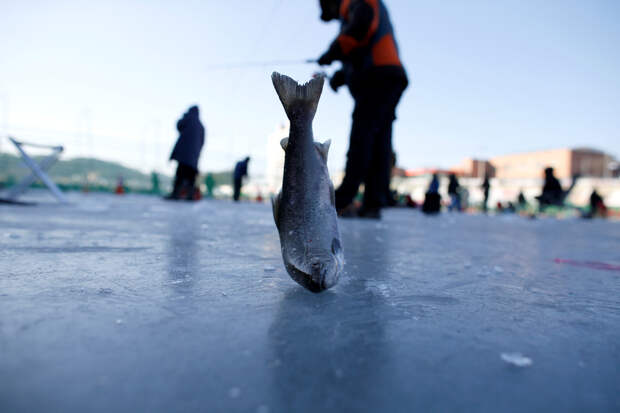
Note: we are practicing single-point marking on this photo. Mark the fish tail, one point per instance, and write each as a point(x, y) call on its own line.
point(295, 96)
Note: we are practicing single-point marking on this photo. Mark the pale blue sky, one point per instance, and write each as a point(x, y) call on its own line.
point(110, 78)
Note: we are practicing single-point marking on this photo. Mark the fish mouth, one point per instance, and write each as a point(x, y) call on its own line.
point(320, 278)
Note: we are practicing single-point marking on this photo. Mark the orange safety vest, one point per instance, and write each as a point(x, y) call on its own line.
point(379, 46)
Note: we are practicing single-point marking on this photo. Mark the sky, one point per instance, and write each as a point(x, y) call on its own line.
point(110, 79)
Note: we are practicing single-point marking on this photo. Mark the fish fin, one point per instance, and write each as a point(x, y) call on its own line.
point(336, 247)
point(275, 204)
point(323, 148)
point(298, 99)
point(284, 143)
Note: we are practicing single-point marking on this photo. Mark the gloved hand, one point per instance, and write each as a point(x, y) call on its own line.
point(337, 80)
point(326, 59)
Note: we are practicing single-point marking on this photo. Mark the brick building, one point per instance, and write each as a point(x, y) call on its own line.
point(530, 165)
point(474, 168)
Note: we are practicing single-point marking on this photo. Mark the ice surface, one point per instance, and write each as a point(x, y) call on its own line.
point(234, 392)
point(416, 322)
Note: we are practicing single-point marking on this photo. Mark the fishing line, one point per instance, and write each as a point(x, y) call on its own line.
point(252, 64)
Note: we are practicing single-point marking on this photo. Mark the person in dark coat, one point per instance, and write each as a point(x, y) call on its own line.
point(432, 199)
point(453, 191)
point(374, 74)
point(241, 170)
point(521, 201)
point(187, 152)
point(552, 193)
point(486, 185)
point(597, 206)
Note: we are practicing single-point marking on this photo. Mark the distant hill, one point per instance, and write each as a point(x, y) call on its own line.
point(100, 175)
point(77, 168)
point(222, 177)
point(78, 171)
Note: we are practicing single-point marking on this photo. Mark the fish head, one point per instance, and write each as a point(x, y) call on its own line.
point(324, 274)
point(320, 271)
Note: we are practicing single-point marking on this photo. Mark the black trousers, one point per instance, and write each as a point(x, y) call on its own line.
point(237, 189)
point(185, 179)
point(370, 144)
point(485, 203)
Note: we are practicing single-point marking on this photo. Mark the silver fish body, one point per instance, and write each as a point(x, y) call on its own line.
point(304, 210)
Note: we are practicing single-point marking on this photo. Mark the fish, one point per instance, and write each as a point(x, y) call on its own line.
point(305, 209)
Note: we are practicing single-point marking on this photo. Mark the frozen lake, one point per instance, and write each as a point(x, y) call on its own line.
point(136, 304)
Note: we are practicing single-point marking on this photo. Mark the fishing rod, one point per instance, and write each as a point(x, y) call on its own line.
point(251, 64)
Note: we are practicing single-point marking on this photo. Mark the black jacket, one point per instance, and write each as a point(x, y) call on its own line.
point(191, 139)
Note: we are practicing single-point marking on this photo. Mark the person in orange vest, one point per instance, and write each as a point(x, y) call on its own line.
point(376, 78)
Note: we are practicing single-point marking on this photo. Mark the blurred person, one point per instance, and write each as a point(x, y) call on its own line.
point(241, 170)
point(464, 198)
point(410, 202)
point(155, 183)
point(453, 191)
point(521, 201)
point(552, 192)
point(432, 199)
point(486, 185)
point(597, 206)
point(433, 186)
point(187, 152)
point(120, 186)
point(210, 184)
point(374, 74)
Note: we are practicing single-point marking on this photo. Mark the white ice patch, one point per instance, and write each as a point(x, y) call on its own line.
point(516, 359)
point(262, 409)
point(234, 392)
